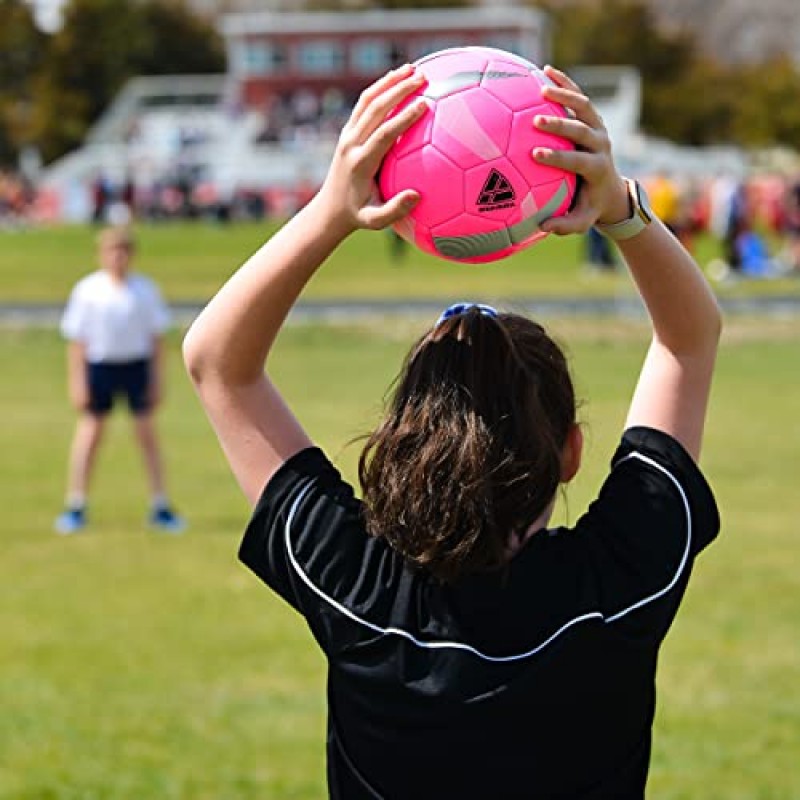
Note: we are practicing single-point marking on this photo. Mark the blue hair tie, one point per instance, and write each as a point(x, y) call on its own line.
point(462, 308)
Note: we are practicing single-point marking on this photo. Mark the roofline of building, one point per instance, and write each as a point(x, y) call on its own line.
point(297, 22)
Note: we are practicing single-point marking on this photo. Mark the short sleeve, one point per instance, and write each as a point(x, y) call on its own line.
point(158, 311)
point(306, 540)
point(286, 498)
point(73, 319)
point(654, 514)
point(681, 478)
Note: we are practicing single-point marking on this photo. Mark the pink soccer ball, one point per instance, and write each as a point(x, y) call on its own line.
point(482, 195)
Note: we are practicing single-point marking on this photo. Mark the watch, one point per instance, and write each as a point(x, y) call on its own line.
point(641, 215)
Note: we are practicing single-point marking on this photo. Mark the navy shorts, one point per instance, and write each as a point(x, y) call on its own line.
point(131, 379)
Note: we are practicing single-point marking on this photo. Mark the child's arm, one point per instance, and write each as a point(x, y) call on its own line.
point(77, 386)
point(155, 389)
point(673, 388)
point(228, 344)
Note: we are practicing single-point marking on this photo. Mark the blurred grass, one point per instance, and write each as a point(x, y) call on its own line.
point(191, 261)
point(137, 666)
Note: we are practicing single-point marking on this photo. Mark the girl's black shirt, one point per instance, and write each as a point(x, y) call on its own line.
point(537, 681)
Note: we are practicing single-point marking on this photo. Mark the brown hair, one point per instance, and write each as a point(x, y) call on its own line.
point(469, 452)
point(116, 236)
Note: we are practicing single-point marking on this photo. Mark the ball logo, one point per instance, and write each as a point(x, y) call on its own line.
point(497, 192)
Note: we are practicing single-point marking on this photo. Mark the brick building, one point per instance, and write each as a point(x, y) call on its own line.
point(273, 53)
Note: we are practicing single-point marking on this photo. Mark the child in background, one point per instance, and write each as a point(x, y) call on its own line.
point(113, 322)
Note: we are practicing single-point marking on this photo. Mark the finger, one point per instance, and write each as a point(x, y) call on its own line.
point(573, 129)
point(577, 221)
point(575, 101)
point(393, 210)
point(565, 226)
point(375, 89)
point(382, 104)
point(386, 134)
point(579, 218)
point(561, 78)
point(589, 165)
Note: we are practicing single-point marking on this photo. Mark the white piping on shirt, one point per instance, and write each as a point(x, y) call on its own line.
point(439, 645)
point(686, 549)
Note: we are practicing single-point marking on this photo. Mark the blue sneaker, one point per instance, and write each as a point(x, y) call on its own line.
point(73, 520)
point(166, 520)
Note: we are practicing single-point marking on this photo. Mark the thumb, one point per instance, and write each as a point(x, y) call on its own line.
point(579, 220)
point(563, 226)
point(393, 210)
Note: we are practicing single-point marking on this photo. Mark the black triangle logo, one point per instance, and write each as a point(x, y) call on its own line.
point(497, 189)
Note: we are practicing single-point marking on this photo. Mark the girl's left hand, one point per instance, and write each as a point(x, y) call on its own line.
point(349, 192)
point(603, 196)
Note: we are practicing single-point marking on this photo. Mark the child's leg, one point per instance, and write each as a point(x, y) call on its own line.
point(82, 456)
point(135, 382)
point(147, 438)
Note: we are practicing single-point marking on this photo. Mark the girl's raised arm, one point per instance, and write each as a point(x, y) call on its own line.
point(673, 388)
point(228, 344)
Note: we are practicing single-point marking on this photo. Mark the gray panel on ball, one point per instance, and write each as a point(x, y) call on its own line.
point(484, 244)
point(473, 245)
point(528, 226)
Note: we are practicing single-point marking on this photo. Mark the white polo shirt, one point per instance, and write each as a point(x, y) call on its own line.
point(117, 322)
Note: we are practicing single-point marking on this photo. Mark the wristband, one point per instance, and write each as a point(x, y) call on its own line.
point(641, 215)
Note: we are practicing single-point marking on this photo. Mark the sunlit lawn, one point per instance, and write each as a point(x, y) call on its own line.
point(191, 261)
point(138, 666)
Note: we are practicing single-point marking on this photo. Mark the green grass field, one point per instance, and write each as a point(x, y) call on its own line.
point(191, 261)
point(135, 665)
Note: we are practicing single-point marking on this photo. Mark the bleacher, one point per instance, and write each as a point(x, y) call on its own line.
point(170, 129)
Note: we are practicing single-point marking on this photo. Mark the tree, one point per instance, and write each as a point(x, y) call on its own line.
point(687, 97)
point(21, 49)
point(88, 60)
point(622, 32)
point(769, 113)
point(698, 109)
point(177, 42)
point(102, 44)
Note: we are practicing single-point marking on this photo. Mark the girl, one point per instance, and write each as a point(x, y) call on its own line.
point(473, 652)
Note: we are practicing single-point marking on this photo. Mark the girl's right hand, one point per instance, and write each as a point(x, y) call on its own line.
point(349, 193)
point(603, 196)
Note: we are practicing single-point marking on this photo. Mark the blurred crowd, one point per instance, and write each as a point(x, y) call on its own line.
point(187, 196)
point(302, 116)
point(755, 222)
point(17, 196)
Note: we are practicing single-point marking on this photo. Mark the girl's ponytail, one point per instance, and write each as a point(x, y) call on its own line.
point(469, 453)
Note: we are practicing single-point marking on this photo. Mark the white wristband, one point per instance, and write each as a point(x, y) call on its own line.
point(641, 215)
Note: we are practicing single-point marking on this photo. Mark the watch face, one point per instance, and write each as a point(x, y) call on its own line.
point(643, 201)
